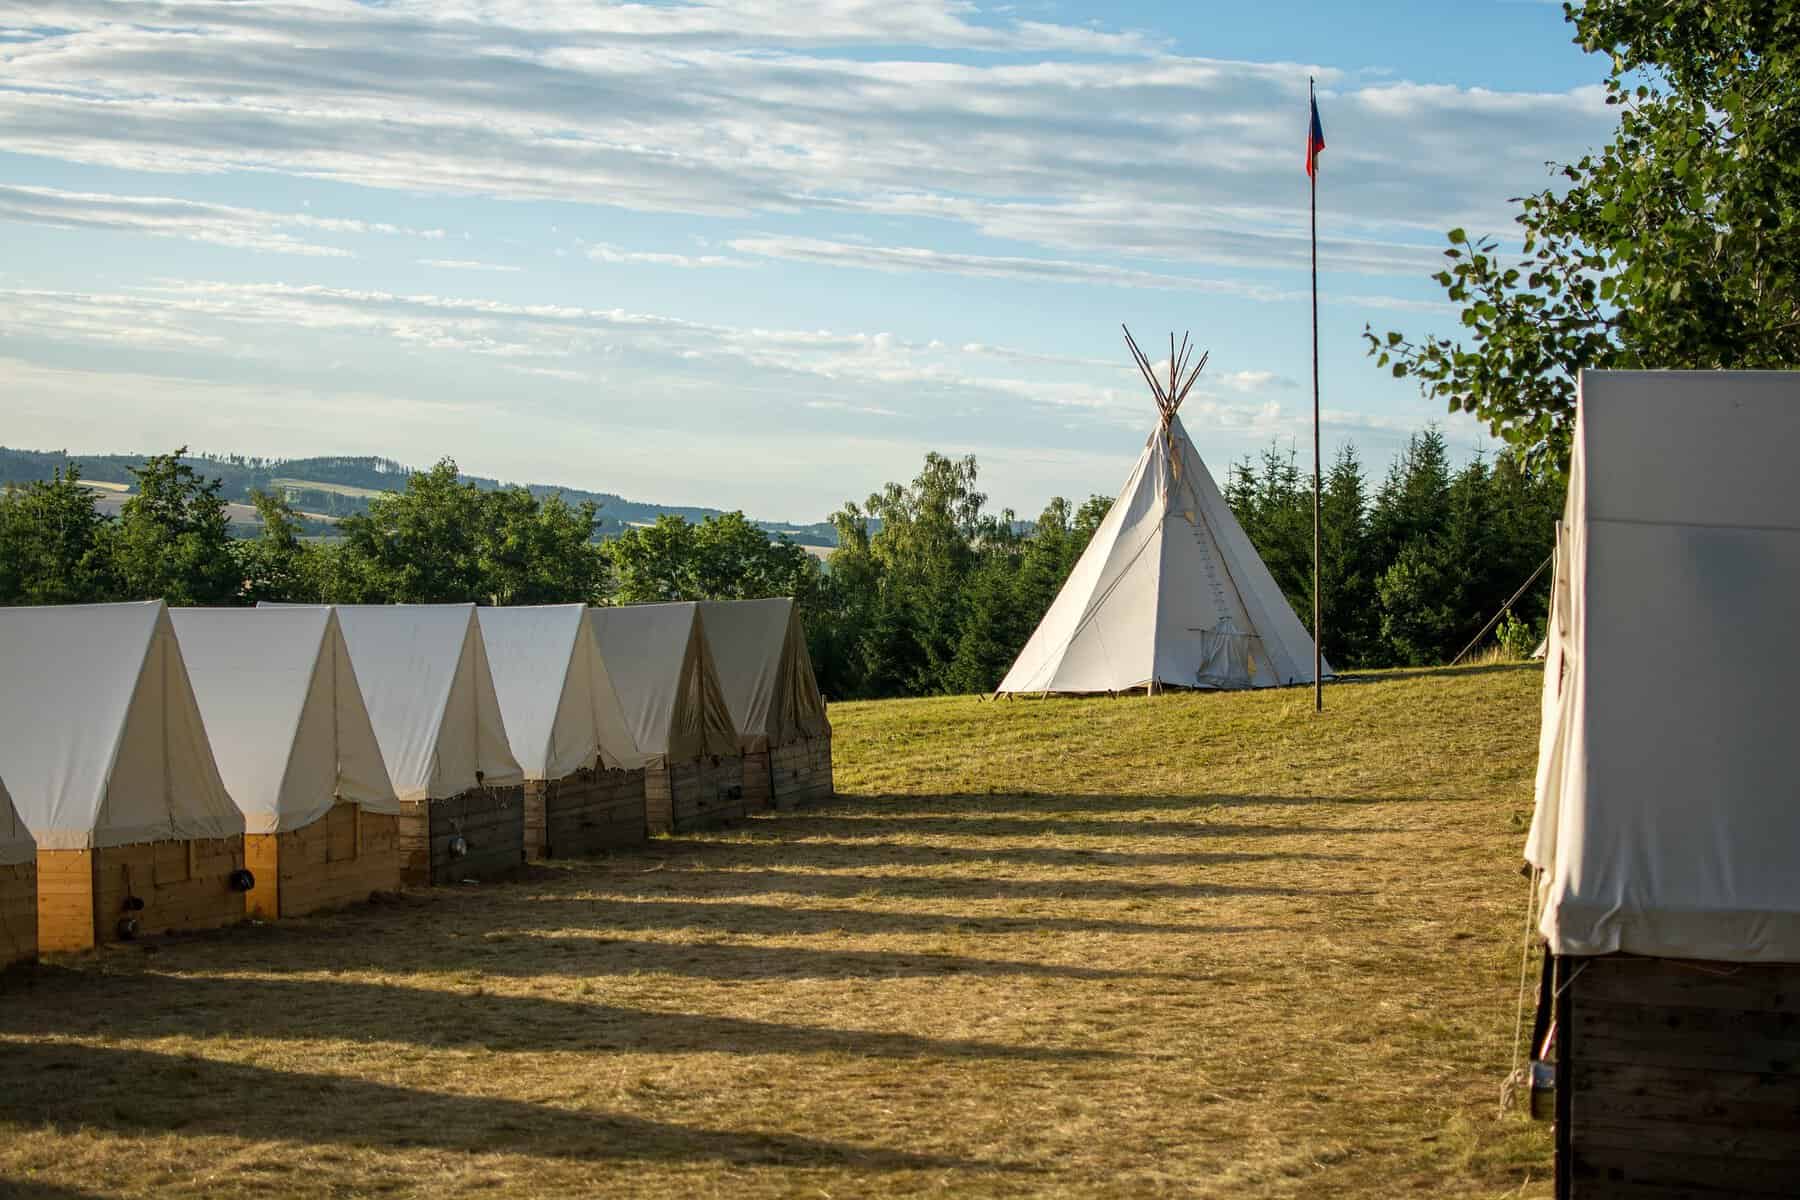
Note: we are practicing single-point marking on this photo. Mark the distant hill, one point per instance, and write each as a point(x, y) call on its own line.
point(332, 487)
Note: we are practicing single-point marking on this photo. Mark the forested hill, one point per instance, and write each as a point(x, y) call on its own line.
point(339, 486)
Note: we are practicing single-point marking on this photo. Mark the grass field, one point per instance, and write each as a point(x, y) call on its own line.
point(1201, 945)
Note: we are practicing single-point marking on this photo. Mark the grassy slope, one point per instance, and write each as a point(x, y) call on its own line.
point(1199, 945)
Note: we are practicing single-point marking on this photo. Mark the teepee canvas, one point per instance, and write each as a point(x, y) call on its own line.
point(1170, 592)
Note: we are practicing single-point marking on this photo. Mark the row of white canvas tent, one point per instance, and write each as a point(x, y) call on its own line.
point(162, 764)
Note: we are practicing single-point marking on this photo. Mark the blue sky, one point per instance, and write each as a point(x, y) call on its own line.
point(760, 254)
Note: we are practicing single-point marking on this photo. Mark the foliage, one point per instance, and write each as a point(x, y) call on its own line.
point(1677, 245)
point(173, 538)
point(53, 543)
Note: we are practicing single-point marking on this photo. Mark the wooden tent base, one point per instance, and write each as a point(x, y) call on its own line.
point(590, 811)
point(1677, 1078)
point(339, 859)
point(490, 822)
point(18, 913)
point(696, 794)
point(184, 885)
point(800, 772)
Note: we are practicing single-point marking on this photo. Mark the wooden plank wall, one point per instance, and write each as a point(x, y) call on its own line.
point(536, 790)
point(18, 913)
point(184, 885)
point(1680, 1078)
point(800, 772)
point(65, 903)
point(594, 810)
point(491, 820)
point(659, 800)
point(759, 790)
point(339, 859)
point(706, 792)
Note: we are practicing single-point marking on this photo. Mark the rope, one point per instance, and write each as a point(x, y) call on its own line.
point(1504, 609)
point(1512, 1078)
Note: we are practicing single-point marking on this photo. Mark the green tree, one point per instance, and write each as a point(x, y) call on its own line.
point(273, 565)
point(1677, 245)
point(655, 563)
point(53, 544)
point(1348, 603)
point(173, 537)
point(420, 546)
point(540, 551)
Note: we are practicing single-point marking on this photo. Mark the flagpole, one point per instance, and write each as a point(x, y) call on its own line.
point(1313, 180)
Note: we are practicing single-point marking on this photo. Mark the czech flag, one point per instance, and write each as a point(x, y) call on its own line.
point(1315, 139)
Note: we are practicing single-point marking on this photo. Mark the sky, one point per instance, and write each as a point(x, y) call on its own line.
point(757, 254)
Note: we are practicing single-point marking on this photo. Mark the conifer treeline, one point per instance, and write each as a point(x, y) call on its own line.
point(926, 592)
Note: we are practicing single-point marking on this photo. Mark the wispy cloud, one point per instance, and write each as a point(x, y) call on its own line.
point(600, 252)
point(464, 264)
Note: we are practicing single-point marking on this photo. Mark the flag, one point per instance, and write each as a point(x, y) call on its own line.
point(1315, 140)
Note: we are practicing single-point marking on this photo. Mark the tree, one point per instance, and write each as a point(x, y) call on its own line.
point(1675, 246)
point(1347, 606)
point(53, 546)
point(420, 546)
point(656, 562)
point(540, 551)
point(173, 537)
point(273, 565)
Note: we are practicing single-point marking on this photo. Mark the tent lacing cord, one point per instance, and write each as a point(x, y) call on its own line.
point(1511, 1083)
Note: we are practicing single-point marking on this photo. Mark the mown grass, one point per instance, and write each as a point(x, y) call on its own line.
point(1200, 945)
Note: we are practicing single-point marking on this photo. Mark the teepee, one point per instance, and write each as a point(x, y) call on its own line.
point(1170, 592)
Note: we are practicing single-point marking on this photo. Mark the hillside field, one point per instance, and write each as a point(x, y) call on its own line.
point(1197, 945)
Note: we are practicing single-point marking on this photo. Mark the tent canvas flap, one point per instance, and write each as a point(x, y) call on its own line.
point(664, 678)
point(104, 746)
point(16, 843)
point(759, 649)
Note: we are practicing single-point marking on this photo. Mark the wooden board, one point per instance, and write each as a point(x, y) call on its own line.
point(800, 772)
point(339, 859)
point(706, 792)
point(491, 821)
point(65, 903)
point(184, 885)
point(592, 811)
point(1678, 1079)
point(759, 790)
point(535, 834)
point(18, 913)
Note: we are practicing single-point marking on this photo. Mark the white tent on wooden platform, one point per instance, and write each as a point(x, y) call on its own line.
point(18, 885)
point(110, 768)
point(1170, 592)
point(663, 670)
point(430, 697)
point(759, 647)
point(294, 742)
point(1666, 819)
point(584, 777)
point(1668, 816)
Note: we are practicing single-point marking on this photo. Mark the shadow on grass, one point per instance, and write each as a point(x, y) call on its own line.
point(75, 1087)
point(148, 1004)
point(790, 844)
point(592, 957)
point(858, 809)
point(35, 1189)
point(703, 880)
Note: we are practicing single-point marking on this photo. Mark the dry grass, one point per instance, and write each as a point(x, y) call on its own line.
point(1204, 945)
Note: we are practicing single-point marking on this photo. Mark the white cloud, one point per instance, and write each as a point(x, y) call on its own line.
point(601, 252)
point(744, 108)
point(464, 264)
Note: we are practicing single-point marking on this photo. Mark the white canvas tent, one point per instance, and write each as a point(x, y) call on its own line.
point(17, 846)
point(765, 673)
point(561, 710)
point(1170, 592)
point(285, 713)
point(666, 680)
point(1667, 810)
point(430, 697)
point(101, 740)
